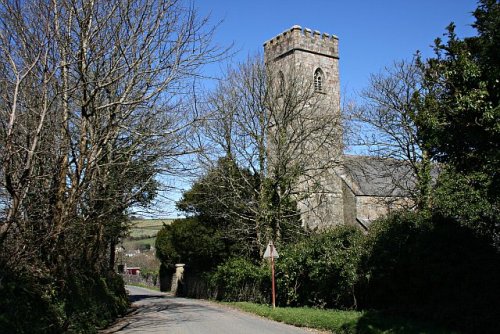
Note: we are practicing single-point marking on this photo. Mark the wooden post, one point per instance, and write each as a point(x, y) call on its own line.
point(272, 279)
point(272, 253)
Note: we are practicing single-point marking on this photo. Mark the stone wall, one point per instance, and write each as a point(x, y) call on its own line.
point(370, 208)
point(148, 280)
point(349, 200)
point(299, 52)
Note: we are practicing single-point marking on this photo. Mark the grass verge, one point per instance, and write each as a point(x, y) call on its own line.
point(345, 322)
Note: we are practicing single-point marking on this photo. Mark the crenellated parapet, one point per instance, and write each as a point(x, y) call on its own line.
point(303, 39)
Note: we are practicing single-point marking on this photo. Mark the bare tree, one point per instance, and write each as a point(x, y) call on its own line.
point(90, 115)
point(384, 123)
point(269, 124)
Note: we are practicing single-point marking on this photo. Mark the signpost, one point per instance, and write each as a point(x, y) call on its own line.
point(272, 253)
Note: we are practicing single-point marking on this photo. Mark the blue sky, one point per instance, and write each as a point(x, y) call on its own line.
point(372, 34)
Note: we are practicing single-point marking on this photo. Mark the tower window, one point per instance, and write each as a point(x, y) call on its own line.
point(318, 80)
point(281, 83)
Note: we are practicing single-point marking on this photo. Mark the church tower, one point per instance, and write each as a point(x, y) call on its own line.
point(311, 52)
point(314, 57)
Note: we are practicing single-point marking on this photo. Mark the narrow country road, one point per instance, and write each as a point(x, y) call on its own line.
point(158, 312)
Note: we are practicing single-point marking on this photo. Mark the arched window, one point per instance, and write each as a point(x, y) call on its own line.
point(281, 83)
point(319, 78)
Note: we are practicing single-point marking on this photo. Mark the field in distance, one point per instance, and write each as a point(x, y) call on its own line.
point(143, 232)
point(147, 228)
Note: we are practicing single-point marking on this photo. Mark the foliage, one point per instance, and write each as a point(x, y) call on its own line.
point(28, 306)
point(433, 268)
point(95, 301)
point(438, 263)
point(38, 307)
point(411, 264)
point(238, 279)
point(89, 118)
point(465, 198)
point(337, 321)
point(189, 241)
point(322, 270)
point(459, 119)
point(164, 244)
point(224, 200)
point(220, 193)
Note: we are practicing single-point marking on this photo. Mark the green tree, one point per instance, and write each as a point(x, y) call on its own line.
point(467, 199)
point(239, 279)
point(190, 242)
point(460, 118)
point(459, 121)
point(225, 199)
point(228, 199)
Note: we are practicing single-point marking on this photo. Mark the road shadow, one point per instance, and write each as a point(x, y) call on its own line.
point(154, 312)
point(136, 298)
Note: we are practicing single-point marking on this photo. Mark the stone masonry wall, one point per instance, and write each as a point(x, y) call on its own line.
point(303, 51)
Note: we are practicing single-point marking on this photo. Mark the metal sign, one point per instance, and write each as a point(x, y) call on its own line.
point(267, 253)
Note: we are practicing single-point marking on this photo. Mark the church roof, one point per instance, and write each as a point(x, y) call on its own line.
point(374, 176)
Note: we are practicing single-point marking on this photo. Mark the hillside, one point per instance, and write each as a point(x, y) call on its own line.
point(143, 232)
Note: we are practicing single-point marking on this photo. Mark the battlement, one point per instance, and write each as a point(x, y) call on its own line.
point(303, 39)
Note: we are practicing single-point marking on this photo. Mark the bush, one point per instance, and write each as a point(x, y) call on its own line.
point(29, 306)
point(84, 303)
point(191, 242)
point(432, 268)
point(240, 280)
point(468, 199)
point(320, 271)
point(93, 301)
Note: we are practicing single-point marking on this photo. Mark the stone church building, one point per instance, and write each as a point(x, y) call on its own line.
point(358, 189)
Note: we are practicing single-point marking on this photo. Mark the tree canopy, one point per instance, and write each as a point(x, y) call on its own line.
point(459, 121)
point(460, 118)
point(90, 116)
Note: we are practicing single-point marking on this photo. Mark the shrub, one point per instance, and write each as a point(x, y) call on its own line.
point(191, 242)
point(93, 301)
point(29, 306)
point(432, 268)
point(240, 280)
point(321, 270)
point(84, 303)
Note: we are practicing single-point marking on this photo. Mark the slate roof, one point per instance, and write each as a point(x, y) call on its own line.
point(373, 176)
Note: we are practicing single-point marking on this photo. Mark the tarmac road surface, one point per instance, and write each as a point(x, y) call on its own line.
point(158, 312)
